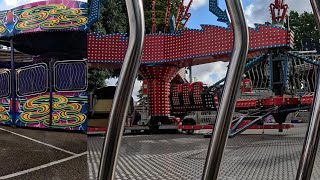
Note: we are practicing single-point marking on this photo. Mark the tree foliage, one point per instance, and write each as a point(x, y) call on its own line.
point(160, 11)
point(304, 27)
point(114, 17)
point(96, 78)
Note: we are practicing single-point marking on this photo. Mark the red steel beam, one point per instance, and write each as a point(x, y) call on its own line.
point(179, 14)
point(166, 19)
point(186, 15)
point(153, 16)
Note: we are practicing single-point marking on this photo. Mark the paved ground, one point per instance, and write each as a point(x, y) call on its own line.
point(273, 155)
point(28, 154)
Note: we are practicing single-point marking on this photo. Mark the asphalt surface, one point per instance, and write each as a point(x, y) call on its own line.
point(29, 154)
point(249, 156)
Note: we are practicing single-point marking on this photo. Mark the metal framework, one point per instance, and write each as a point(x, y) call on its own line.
point(276, 74)
point(277, 81)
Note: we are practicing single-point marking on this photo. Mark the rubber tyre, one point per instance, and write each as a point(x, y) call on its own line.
point(189, 122)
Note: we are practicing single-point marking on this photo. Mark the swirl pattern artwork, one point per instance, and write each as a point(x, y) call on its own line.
point(69, 111)
point(4, 109)
point(44, 16)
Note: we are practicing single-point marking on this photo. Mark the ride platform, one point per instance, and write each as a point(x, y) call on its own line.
point(251, 155)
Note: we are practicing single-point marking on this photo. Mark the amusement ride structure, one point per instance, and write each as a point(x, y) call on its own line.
point(54, 32)
point(49, 91)
point(271, 68)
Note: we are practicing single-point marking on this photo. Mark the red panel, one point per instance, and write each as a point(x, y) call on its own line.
point(199, 127)
point(158, 88)
point(292, 101)
point(246, 103)
point(279, 101)
point(211, 41)
point(307, 100)
point(145, 88)
point(245, 122)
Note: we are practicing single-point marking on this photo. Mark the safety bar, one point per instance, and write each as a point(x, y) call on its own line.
point(230, 92)
point(124, 90)
point(235, 131)
point(311, 141)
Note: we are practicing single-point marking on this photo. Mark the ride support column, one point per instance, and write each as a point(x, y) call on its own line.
point(13, 105)
point(159, 78)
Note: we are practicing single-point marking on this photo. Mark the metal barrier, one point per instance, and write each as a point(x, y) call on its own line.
point(128, 74)
point(123, 93)
point(231, 88)
point(312, 137)
point(227, 106)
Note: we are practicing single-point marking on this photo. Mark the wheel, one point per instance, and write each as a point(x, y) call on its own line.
point(190, 131)
point(136, 131)
point(208, 135)
point(189, 122)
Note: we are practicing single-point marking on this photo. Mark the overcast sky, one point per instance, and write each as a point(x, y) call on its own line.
point(256, 11)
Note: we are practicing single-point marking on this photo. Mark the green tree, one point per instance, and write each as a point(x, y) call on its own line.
point(139, 95)
point(161, 7)
point(304, 27)
point(113, 18)
point(96, 78)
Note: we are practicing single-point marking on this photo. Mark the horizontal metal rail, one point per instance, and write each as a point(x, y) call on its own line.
point(234, 131)
point(248, 67)
point(304, 58)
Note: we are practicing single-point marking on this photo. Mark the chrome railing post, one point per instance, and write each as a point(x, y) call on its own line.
point(230, 92)
point(311, 141)
point(123, 93)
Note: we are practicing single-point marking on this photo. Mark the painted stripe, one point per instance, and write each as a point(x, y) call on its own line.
point(42, 166)
point(34, 140)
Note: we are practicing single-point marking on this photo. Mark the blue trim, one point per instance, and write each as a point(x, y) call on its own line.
point(13, 84)
point(248, 66)
point(50, 71)
point(94, 15)
point(286, 71)
point(172, 24)
point(270, 72)
point(216, 10)
point(303, 58)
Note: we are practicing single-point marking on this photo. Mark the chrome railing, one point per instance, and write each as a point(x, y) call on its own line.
point(236, 69)
point(311, 142)
point(128, 74)
point(231, 88)
point(124, 90)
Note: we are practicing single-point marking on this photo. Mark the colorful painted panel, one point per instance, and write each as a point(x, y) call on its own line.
point(5, 117)
point(44, 16)
point(69, 111)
